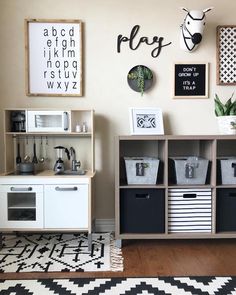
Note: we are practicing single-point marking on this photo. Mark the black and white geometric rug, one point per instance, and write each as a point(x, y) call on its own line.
point(122, 286)
point(59, 253)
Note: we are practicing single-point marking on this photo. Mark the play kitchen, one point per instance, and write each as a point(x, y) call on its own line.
point(49, 170)
point(31, 130)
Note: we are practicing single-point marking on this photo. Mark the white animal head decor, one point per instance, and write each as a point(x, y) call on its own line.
point(192, 28)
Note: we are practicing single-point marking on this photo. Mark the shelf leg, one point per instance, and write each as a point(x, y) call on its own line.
point(118, 243)
point(90, 241)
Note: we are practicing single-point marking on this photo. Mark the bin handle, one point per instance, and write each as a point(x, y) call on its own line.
point(140, 168)
point(232, 194)
point(189, 196)
point(142, 196)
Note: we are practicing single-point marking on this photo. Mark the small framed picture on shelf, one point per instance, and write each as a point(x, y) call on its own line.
point(146, 121)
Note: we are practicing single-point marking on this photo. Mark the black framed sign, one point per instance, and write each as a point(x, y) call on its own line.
point(190, 80)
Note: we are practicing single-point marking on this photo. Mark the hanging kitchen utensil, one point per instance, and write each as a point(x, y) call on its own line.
point(46, 150)
point(27, 156)
point(18, 157)
point(41, 154)
point(34, 160)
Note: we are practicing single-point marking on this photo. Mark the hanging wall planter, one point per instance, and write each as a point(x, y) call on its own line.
point(140, 78)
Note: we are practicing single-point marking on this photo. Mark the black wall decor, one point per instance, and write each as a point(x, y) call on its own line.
point(134, 41)
point(191, 80)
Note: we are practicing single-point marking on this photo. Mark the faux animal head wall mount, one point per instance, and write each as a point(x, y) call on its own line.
point(192, 28)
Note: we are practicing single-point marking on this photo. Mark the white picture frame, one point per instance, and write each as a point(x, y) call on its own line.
point(53, 57)
point(146, 121)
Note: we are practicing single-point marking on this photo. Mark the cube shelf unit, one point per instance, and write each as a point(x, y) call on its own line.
point(145, 211)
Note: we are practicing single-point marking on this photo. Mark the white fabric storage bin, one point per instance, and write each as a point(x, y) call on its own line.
point(228, 170)
point(141, 170)
point(190, 170)
point(189, 210)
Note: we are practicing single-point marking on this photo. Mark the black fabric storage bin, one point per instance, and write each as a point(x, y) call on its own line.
point(142, 211)
point(226, 210)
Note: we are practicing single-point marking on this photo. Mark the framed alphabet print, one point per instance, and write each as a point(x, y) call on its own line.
point(191, 80)
point(226, 55)
point(146, 121)
point(53, 57)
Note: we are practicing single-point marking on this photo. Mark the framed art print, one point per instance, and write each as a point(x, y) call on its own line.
point(146, 121)
point(53, 57)
point(226, 55)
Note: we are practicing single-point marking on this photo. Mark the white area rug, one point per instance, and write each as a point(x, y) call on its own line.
point(59, 253)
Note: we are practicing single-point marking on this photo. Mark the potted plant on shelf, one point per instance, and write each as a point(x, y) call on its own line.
point(226, 115)
point(140, 78)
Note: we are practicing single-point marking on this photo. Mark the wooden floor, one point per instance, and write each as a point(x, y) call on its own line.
point(163, 258)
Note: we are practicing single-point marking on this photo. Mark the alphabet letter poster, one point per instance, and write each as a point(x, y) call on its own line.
point(54, 58)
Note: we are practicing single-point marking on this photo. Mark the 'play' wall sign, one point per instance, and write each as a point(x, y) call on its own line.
point(134, 42)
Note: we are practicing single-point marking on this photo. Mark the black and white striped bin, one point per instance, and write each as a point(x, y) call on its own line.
point(189, 210)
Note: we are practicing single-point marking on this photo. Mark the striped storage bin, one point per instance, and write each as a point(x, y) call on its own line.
point(189, 210)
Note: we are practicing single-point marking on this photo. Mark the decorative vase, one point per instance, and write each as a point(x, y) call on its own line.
point(227, 124)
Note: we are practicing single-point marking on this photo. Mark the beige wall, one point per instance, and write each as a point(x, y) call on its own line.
point(105, 70)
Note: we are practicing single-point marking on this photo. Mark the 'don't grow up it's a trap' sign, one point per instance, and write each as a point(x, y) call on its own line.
point(54, 57)
point(191, 80)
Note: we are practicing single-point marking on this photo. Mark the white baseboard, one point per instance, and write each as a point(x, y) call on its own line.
point(104, 225)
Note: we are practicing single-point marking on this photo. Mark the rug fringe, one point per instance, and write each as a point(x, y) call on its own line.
point(116, 257)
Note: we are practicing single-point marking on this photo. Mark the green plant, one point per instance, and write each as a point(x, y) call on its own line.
point(141, 74)
point(227, 109)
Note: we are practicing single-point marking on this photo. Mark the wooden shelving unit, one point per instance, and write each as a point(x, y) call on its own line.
point(165, 147)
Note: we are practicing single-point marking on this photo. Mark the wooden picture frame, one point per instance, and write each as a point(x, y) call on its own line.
point(53, 57)
point(226, 55)
point(191, 80)
point(146, 121)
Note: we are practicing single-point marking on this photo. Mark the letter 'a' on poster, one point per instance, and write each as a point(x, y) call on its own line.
point(190, 80)
point(53, 57)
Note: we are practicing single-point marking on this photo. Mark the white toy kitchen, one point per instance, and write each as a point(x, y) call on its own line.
point(49, 171)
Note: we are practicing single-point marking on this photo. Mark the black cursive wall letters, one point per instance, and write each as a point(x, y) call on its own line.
point(135, 45)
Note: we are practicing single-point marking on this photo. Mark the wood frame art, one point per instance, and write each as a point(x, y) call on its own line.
point(53, 57)
point(191, 80)
point(146, 121)
point(226, 55)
